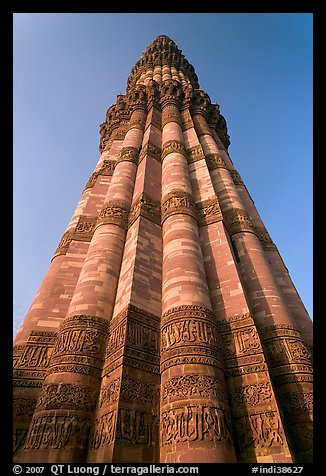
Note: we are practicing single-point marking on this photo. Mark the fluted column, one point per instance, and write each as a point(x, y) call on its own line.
point(127, 418)
point(287, 353)
point(250, 391)
point(194, 427)
point(76, 362)
point(35, 339)
point(293, 301)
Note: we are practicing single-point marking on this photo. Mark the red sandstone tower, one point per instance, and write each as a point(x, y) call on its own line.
point(167, 328)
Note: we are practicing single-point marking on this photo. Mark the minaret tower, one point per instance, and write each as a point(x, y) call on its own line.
point(167, 327)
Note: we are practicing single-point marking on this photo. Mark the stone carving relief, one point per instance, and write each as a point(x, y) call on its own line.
point(237, 220)
point(177, 202)
point(31, 360)
point(193, 385)
point(259, 431)
point(173, 146)
point(128, 154)
point(58, 431)
point(195, 423)
point(115, 213)
point(194, 154)
point(171, 93)
point(80, 345)
point(128, 425)
point(294, 403)
point(23, 408)
point(251, 394)
point(146, 207)
point(106, 169)
point(214, 161)
point(67, 396)
point(208, 211)
point(265, 239)
point(151, 150)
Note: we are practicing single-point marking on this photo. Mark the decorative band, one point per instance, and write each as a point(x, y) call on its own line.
point(208, 211)
point(215, 161)
point(115, 213)
point(237, 220)
point(195, 153)
point(151, 150)
point(173, 146)
point(146, 207)
point(170, 114)
point(177, 202)
point(128, 154)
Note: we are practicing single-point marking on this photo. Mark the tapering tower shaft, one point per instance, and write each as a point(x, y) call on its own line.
point(167, 328)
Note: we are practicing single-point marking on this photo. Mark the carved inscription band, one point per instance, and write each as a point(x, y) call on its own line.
point(237, 220)
point(128, 154)
point(146, 207)
point(177, 202)
point(189, 335)
point(195, 423)
point(115, 213)
point(80, 345)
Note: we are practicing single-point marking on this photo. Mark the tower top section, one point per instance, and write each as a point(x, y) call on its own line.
point(162, 53)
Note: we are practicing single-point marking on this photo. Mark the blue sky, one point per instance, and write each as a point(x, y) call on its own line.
point(68, 70)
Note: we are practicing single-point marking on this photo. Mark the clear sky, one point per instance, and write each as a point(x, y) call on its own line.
point(68, 70)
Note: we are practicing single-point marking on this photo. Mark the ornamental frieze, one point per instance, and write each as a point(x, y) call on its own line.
point(191, 359)
point(195, 423)
point(31, 360)
point(138, 390)
point(295, 403)
point(85, 228)
point(146, 207)
point(252, 394)
point(208, 211)
point(285, 345)
point(170, 114)
point(215, 161)
point(190, 385)
point(201, 102)
point(258, 431)
point(65, 396)
point(137, 98)
point(106, 169)
point(110, 392)
point(237, 180)
point(241, 342)
point(186, 120)
point(194, 154)
point(58, 431)
point(171, 93)
point(23, 408)
point(128, 154)
point(173, 146)
point(237, 221)
point(80, 334)
point(64, 243)
point(115, 213)
point(235, 322)
point(151, 150)
point(177, 202)
point(129, 425)
point(188, 332)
